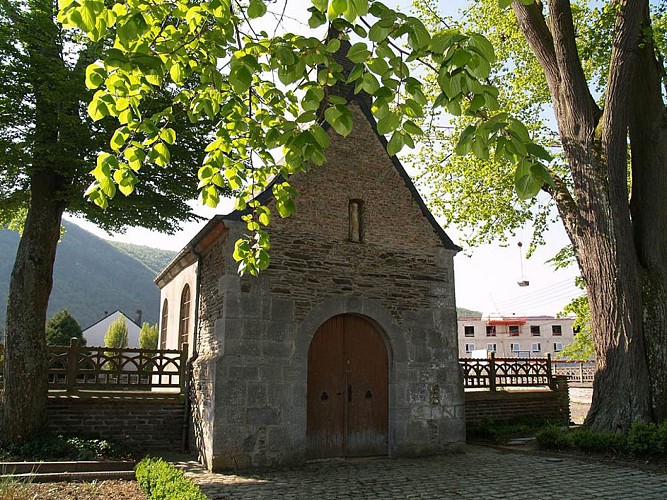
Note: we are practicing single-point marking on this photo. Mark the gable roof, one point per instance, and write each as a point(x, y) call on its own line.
point(127, 318)
point(363, 100)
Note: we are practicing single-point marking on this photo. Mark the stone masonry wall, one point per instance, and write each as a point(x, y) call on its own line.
point(145, 424)
point(400, 277)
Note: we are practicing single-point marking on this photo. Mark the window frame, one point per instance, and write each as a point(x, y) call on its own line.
point(466, 332)
point(164, 324)
point(557, 330)
point(184, 316)
point(535, 331)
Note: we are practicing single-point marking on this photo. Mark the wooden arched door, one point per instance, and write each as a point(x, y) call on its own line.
point(348, 376)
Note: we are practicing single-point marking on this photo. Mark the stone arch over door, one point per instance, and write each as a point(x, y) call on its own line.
point(347, 389)
point(392, 334)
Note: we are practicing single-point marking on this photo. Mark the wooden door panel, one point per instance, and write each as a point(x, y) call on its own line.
point(367, 382)
point(347, 389)
point(326, 391)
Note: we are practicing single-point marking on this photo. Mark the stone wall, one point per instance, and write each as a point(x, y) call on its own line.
point(258, 330)
point(485, 406)
point(142, 423)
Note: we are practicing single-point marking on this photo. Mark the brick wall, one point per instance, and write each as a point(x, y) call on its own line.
point(142, 424)
point(483, 406)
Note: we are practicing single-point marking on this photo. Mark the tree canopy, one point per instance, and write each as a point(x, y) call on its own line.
point(61, 328)
point(116, 335)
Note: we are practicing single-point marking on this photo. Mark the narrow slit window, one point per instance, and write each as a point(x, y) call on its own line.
point(355, 220)
point(184, 319)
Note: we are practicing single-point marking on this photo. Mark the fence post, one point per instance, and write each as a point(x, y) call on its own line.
point(550, 377)
point(182, 367)
point(581, 372)
point(72, 361)
point(492, 372)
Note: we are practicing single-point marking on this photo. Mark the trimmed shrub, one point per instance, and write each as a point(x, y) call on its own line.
point(160, 480)
point(60, 447)
point(553, 438)
point(647, 438)
point(605, 442)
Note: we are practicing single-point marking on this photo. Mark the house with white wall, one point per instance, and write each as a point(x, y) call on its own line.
point(514, 336)
point(95, 333)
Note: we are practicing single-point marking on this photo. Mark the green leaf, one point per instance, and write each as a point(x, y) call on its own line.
point(527, 184)
point(168, 135)
point(388, 123)
point(320, 136)
point(340, 119)
point(160, 154)
point(504, 3)
point(95, 76)
point(538, 151)
point(395, 144)
point(358, 53)
point(119, 138)
point(257, 8)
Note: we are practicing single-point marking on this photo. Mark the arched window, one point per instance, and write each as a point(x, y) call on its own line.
point(184, 317)
point(163, 330)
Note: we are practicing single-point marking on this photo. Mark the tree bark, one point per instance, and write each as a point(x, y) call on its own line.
point(597, 218)
point(25, 368)
point(648, 140)
point(25, 393)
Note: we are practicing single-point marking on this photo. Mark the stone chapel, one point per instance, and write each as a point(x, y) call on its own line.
point(347, 345)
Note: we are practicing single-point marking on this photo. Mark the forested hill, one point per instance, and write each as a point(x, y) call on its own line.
point(93, 275)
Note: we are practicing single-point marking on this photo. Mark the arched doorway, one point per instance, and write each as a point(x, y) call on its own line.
point(348, 376)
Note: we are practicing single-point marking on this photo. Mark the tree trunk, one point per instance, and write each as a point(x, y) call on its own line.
point(596, 215)
point(648, 139)
point(25, 370)
point(25, 393)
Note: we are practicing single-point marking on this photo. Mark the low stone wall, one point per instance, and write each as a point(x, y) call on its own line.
point(144, 422)
point(553, 405)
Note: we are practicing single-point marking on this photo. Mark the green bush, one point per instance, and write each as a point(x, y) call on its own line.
point(600, 442)
point(646, 438)
point(554, 438)
point(162, 481)
point(61, 447)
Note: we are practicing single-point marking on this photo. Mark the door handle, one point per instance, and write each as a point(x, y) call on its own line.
point(349, 393)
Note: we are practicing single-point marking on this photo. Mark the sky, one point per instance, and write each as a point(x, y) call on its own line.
point(486, 277)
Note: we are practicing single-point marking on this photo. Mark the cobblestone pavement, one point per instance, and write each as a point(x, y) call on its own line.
point(479, 473)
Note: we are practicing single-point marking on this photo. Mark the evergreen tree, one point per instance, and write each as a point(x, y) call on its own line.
point(61, 328)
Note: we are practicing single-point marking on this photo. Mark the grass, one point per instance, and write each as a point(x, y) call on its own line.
point(14, 489)
point(499, 432)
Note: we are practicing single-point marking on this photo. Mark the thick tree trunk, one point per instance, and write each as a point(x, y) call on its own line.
point(648, 139)
point(25, 374)
point(596, 215)
point(25, 393)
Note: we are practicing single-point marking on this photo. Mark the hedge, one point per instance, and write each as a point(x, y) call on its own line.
point(160, 480)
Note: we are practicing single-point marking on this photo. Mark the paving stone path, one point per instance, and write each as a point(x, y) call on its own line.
point(479, 473)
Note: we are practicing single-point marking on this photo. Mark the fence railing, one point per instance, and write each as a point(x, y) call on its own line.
point(76, 368)
point(491, 373)
point(582, 372)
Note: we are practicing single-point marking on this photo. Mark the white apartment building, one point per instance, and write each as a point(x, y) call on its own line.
point(514, 336)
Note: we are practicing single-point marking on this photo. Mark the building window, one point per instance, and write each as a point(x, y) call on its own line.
point(535, 330)
point(536, 347)
point(515, 347)
point(469, 331)
point(557, 330)
point(514, 330)
point(163, 330)
point(184, 317)
point(558, 346)
point(356, 220)
point(470, 348)
point(490, 331)
point(491, 347)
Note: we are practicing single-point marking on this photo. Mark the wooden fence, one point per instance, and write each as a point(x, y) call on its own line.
point(102, 369)
point(582, 372)
point(491, 373)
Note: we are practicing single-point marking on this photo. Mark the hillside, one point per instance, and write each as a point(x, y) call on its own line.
point(92, 276)
point(155, 259)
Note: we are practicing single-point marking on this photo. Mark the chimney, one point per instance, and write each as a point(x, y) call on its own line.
point(137, 317)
